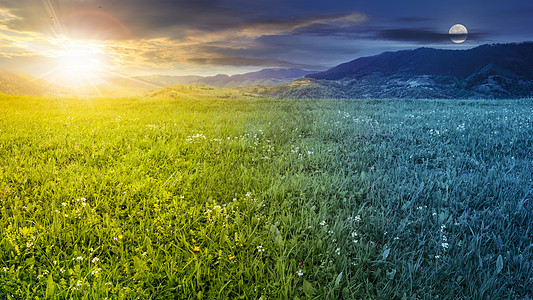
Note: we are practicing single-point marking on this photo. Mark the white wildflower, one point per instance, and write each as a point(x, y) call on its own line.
point(96, 271)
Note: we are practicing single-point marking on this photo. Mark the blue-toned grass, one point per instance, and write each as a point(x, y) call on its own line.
point(228, 197)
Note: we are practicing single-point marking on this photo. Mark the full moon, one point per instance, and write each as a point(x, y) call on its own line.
point(458, 33)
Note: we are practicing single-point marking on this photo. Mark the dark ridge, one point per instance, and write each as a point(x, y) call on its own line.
point(516, 59)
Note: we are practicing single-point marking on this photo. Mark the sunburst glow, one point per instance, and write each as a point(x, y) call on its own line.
point(79, 64)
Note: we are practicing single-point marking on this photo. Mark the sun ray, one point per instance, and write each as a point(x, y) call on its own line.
point(77, 64)
point(133, 79)
point(56, 27)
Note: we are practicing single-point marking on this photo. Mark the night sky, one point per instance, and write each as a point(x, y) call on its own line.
point(209, 37)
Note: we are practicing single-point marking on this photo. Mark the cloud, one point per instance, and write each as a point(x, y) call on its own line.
point(260, 26)
point(6, 17)
point(88, 18)
point(163, 34)
point(412, 35)
point(349, 31)
point(121, 19)
point(420, 35)
point(257, 42)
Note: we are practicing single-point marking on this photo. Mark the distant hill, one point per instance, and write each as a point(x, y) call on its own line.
point(23, 84)
point(198, 91)
point(487, 71)
point(300, 88)
point(26, 85)
point(263, 77)
point(150, 81)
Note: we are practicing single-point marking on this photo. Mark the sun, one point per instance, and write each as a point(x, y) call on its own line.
point(78, 64)
point(75, 63)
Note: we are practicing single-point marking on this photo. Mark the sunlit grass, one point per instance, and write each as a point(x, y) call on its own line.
point(226, 197)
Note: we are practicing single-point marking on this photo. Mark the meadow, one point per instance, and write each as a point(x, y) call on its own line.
point(243, 197)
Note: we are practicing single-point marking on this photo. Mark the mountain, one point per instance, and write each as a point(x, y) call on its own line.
point(263, 77)
point(23, 84)
point(303, 88)
point(151, 81)
point(26, 85)
point(516, 58)
point(487, 71)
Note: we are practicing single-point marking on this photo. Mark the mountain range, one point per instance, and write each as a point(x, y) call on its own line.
point(262, 77)
point(24, 84)
point(487, 71)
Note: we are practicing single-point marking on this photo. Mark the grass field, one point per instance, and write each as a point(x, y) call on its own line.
point(250, 198)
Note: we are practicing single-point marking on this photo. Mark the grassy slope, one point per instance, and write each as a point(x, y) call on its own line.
point(179, 196)
point(23, 84)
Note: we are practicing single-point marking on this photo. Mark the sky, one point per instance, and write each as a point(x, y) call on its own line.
point(208, 37)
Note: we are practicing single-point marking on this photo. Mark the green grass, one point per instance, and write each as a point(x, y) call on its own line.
point(241, 197)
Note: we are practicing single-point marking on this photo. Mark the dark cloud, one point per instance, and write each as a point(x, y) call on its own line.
point(321, 29)
point(302, 46)
point(143, 19)
point(421, 35)
point(147, 19)
point(413, 35)
point(295, 51)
